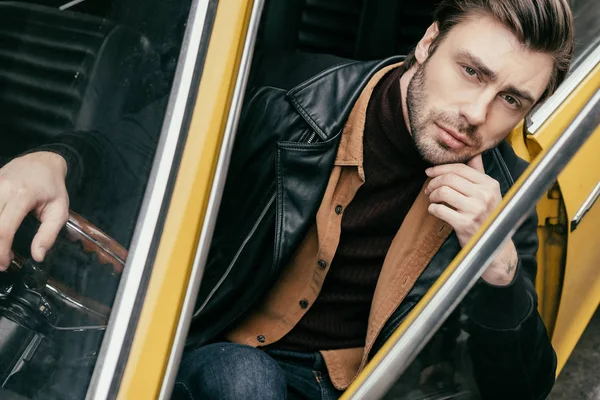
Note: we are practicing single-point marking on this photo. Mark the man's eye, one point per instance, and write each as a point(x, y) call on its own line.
point(511, 101)
point(470, 71)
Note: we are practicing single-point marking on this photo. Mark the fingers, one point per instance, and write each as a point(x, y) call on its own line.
point(53, 218)
point(463, 170)
point(454, 199)
point(452, 181)
point(34, 181)
point(11, 217)
point(455, 219)
point(462, 195)
point(476, 163)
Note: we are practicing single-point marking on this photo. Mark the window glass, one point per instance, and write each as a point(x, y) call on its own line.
point(443, 369)
point(586, 14)
point(85, 82)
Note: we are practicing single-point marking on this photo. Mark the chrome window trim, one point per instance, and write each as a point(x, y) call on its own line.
point(582, 69)
point(472, 264)
point(70, 4)
point(585, 207)
point(213, 203)
point(112, 353)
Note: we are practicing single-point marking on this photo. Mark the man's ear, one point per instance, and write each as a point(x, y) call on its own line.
point(422, 49)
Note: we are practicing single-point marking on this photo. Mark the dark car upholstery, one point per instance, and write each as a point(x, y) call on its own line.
point(63, 70)
point(355, 29)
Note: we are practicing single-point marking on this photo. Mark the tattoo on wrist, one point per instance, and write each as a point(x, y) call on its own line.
point(512, 265)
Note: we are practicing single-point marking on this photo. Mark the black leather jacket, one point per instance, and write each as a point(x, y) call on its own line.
point(283, 155)
point(286, 145)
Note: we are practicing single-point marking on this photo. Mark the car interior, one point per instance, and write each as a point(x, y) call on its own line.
point(71, 66)
point(355, 29)
point(72, 69)
point(76, 65)
point(328, 32)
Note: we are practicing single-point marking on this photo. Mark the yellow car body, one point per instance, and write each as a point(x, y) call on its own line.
point(568, 278)
point(141, 350)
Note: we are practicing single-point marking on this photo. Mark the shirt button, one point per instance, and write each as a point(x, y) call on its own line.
point(322, 264)
point(260, 338)
point(304, 304)
point(338, 209)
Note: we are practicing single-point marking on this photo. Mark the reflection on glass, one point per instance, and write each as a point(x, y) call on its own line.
point(443, 369)
point(586, 14)
point(89, 81)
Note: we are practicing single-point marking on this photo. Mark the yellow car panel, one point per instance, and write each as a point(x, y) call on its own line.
point(161, 310)
point(580, 294)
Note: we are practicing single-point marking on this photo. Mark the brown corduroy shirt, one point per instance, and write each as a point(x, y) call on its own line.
point(299, 284)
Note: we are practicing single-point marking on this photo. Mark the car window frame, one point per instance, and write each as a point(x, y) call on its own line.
point(582, 66)
point(132, 288)
point(214, 200)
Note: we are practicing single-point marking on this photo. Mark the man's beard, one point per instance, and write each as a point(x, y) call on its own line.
point(431, 149)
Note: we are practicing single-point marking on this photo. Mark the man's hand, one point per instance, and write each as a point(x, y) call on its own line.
point(34, 182)
point(464, 197)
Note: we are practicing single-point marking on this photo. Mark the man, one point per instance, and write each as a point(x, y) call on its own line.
point(347, 196)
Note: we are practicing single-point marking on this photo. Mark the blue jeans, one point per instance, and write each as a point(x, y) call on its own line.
point(229, 371)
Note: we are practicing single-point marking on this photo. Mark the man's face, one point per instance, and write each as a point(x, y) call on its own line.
point(473, 90)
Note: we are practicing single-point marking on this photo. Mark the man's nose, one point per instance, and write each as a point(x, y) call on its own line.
point(475, 112)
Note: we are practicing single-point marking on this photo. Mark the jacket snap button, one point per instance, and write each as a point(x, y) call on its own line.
point(322, 264)
point(338, 209)
point(260, 338)
point(303, 303)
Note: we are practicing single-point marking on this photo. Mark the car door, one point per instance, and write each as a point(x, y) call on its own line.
point(572, 291)
point(569, 255)
point(118, 78)
point(397, 371)
point(141, 359)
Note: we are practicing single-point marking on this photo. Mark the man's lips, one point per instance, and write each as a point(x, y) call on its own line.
point(454, 135)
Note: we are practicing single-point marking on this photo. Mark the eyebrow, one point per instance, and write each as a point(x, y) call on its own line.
point(520, 93)
point(492, 76)
point(477, 63)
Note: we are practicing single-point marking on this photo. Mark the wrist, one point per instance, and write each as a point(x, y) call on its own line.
point(502, 269)
point(56, 160)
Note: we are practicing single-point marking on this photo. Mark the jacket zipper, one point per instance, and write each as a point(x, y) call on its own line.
point(237, 255)
point(503, 166)
point(243, 245)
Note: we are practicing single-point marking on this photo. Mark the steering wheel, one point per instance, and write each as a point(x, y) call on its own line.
point(108, 250)
point(93, 240)
point(28, 283)
point(45, 324)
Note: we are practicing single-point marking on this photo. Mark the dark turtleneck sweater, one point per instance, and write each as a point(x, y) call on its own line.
point(394, 174)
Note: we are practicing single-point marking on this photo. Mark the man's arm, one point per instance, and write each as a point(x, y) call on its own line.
point(102, 166)
point(511, 352)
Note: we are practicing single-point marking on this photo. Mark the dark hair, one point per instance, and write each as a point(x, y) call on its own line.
point(540, 25)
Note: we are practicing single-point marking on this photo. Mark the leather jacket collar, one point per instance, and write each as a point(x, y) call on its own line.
point(338, 88)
